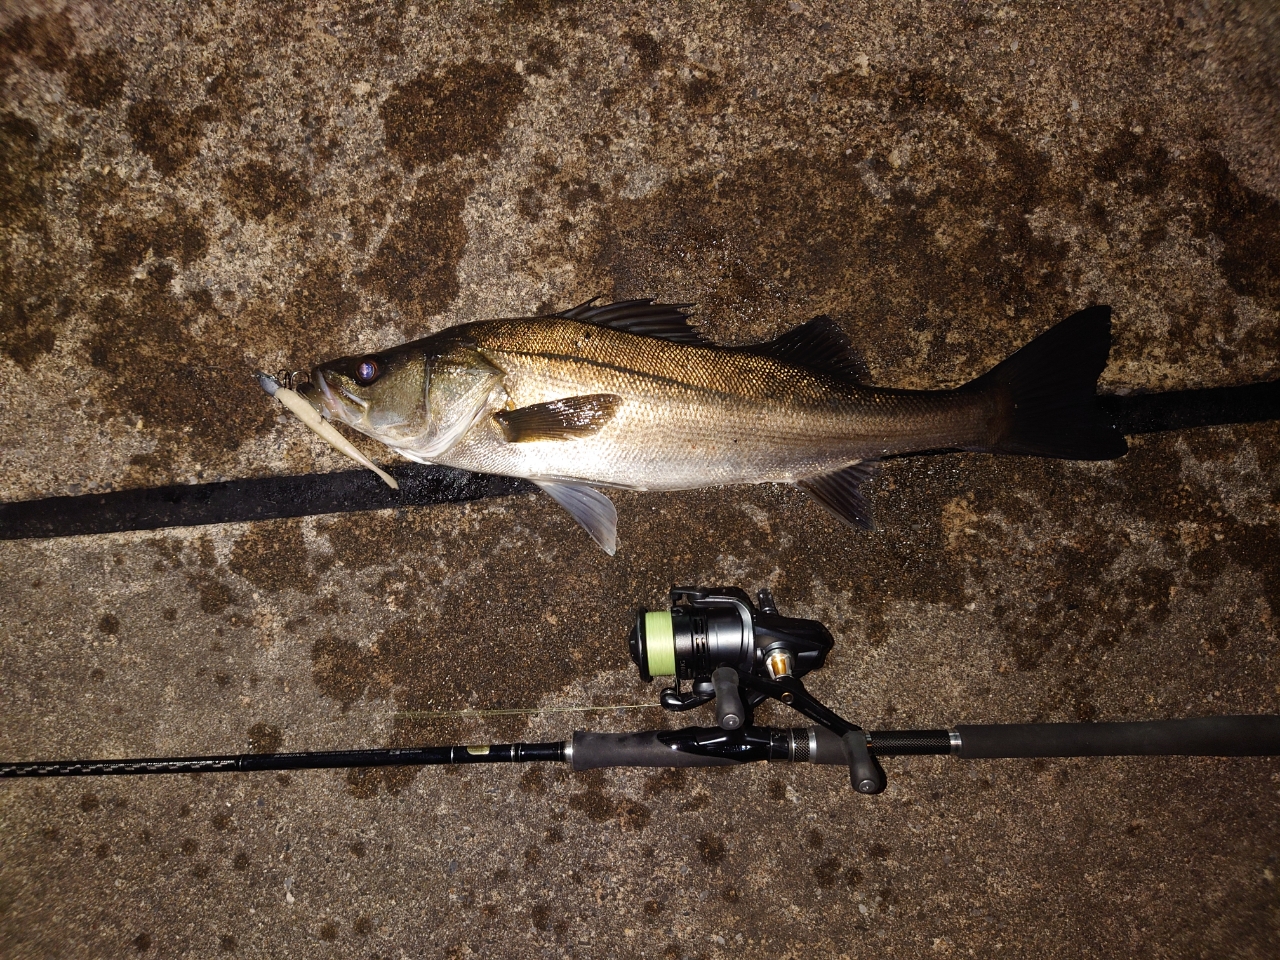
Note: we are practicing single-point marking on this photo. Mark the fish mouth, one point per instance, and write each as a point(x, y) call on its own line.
point(335, 404)
point(319, 394)
point(360, 402)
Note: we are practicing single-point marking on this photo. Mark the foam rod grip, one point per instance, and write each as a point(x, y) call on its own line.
point(1254, 736)
point(595, 750)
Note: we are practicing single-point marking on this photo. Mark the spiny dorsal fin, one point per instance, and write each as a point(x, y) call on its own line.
point(841, 492)
point(819, 344)
point(571, 418)
point(667, 321)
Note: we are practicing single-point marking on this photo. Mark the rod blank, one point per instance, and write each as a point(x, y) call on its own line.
point(315, 760)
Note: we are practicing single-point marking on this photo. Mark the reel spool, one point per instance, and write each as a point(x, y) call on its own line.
point(709, 627)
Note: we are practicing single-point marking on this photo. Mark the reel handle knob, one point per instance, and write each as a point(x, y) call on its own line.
point(730, 713)
point(864, 773)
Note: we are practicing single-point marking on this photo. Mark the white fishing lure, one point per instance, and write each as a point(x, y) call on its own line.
point(320, 426)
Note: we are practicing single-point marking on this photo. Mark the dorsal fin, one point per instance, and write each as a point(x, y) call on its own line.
point(819, 344)
point(667, 321)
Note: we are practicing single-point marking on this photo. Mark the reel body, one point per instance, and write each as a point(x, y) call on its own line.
point(739, 654)
point(710, 627)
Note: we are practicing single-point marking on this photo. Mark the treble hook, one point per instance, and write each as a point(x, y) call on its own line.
point(291, 379)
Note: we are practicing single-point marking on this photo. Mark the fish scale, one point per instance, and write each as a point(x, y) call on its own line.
point(697, 416)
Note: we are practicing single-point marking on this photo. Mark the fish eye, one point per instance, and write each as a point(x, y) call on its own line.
point(368, 370)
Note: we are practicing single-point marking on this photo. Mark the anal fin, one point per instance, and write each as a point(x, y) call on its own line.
point(569, 419)
point(591, 508)
point(840, 491)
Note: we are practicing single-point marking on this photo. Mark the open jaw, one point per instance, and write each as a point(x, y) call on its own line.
point(319, 394)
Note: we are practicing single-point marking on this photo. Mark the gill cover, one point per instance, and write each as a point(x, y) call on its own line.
point(462, 387)
point(415, 399)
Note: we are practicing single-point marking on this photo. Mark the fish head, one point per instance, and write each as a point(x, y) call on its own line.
point(379, 394)
point(418, 398)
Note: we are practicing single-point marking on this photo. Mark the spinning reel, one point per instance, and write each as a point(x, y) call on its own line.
point(739, 655)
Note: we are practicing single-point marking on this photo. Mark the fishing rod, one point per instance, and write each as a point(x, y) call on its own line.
point(736, 655)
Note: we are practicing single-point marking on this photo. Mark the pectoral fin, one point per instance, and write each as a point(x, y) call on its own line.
point(569, 419)
point(591, 508)
point(841, 492)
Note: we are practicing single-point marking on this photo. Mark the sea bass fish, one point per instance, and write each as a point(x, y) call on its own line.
point(629, 395)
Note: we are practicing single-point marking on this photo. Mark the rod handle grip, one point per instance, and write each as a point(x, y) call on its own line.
point(1238, 736)
point(592, 751)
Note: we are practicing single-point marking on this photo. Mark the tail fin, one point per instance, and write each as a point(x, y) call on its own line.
point(1048, 393)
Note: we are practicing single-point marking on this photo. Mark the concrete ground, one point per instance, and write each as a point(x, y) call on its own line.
point(190, 192)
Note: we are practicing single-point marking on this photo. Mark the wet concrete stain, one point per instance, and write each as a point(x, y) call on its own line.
point(123, 243)
point(170, 139)
point(33, 300)
point(1205, 192)
point(461, 109)
point(44, 40)
point(315, 321)
point(96, 79)
point(274, 557)
point(319, 308)
point(25, 167)
point(340, 669)
point(600, 807)
point(416, 264)
point(215, 596)
point(1245, 221)
point(159, 371)
point(190, 391)
point(712, 849)
point(256, 190)
point(650, 53)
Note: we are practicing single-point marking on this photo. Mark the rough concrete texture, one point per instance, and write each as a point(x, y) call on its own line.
point(189, 192)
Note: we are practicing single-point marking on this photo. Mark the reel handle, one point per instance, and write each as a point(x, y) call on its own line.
point(730, 712)
point(864, 772)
